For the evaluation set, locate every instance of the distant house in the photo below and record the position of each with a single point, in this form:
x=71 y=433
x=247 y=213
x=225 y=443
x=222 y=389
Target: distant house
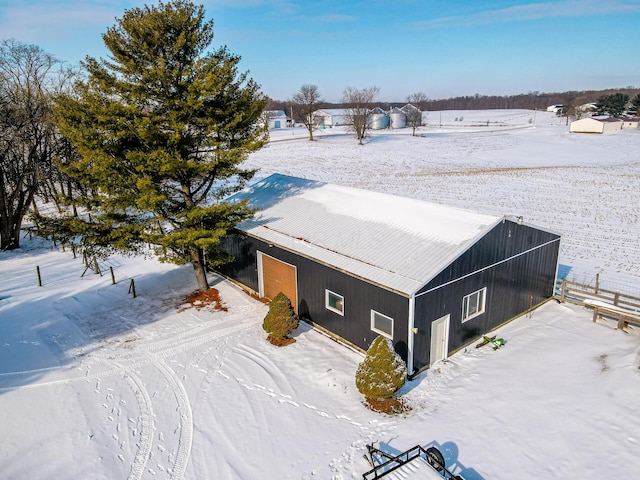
x=331 y=117
x=587 y=108
x=595 y=125
x=275 y=118
x=555 y=108
x=357 y=264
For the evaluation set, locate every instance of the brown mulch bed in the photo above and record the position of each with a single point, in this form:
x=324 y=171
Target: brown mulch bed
x=390 y=406
x=264 y=300
x=209 y=299
x=281 y=342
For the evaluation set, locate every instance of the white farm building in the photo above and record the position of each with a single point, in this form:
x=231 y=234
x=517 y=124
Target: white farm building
x=275 y=119
x=330 y=117
x=595 y=125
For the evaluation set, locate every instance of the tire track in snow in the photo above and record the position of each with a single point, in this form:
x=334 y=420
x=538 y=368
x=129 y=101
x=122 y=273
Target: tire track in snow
x=272 y=370
x=62 y=381
x=146 y=414
x=186 y=419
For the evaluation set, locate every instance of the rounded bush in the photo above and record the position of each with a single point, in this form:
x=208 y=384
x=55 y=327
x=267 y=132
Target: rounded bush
x=281 y=319
x=382 y=373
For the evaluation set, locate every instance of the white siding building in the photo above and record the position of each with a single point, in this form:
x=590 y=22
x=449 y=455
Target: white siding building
x=595 y=125
x=330 y=117
x=275 y=118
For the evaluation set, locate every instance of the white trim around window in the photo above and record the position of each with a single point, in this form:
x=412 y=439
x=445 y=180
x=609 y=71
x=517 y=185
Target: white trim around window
x=382 y=324
x=474 y=304
x=334 y=302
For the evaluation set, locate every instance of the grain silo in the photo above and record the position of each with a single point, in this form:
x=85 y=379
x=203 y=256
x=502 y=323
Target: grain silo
x=397 y=118
x=378 y=119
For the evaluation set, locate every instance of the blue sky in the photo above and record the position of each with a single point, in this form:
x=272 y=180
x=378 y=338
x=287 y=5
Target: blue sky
x=442 y=48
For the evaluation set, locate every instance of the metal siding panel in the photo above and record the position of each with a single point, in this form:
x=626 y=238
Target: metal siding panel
x=509 y=285
x=313 y=278
x=244 y=266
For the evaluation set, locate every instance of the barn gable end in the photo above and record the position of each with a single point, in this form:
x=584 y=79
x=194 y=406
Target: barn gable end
x=510 y=270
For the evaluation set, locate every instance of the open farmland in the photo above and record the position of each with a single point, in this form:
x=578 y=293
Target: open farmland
x=582 y=186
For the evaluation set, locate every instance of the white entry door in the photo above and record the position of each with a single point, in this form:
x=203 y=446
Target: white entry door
x=439 y=339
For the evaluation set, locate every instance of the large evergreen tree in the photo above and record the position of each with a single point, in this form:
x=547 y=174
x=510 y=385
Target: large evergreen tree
x=635 y=106
x=162 y=128
x=614 y=104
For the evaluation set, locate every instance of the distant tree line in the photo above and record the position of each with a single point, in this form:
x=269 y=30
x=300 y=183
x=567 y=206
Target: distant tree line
x=531 y=100
x=358 y=103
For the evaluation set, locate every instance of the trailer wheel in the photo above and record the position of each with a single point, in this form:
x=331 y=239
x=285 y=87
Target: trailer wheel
x=435 y=458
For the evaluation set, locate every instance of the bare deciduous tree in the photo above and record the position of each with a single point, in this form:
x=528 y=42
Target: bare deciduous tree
x=306 y=101
x=28 y=140
x=358 y=104
x=414 y=115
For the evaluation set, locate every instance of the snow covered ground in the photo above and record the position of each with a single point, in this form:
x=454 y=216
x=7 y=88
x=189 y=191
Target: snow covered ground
x=97 y=384
x=582 y=186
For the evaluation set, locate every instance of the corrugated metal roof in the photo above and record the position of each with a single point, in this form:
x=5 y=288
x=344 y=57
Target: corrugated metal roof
x=332 y=111
x=393 y=241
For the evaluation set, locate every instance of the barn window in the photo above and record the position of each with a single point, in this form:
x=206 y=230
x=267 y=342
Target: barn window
x=334 y=302
x=382 y=324
x=473 y=304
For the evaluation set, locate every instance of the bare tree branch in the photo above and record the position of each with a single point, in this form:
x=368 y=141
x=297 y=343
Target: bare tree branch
x=359 y=103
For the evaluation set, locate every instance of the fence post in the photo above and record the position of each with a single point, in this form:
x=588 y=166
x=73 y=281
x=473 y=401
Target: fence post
x=97 y=267
x=562 y=292
x=113 y=278
x=132 y=288
x=616 y=298
x=39 y=277
x=597 y=282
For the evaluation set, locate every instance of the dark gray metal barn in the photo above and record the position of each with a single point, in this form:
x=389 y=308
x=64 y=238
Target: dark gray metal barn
x=359 y=264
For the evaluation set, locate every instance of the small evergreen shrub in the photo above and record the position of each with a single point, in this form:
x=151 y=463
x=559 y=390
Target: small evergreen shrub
x=281 y=320
x=382 y=373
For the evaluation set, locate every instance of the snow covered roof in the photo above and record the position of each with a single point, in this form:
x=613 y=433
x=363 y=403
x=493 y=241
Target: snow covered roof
x=331 y=111
x=275 y=113
x=397 y=242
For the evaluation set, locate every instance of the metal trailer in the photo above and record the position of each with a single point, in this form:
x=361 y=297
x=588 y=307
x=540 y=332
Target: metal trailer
x=417 y=462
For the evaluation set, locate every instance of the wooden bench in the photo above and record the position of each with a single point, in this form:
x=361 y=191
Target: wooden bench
x=623 y=315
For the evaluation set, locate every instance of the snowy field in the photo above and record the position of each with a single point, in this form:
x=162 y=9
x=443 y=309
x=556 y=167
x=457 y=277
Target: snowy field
x=586 y=187
x=95 y=384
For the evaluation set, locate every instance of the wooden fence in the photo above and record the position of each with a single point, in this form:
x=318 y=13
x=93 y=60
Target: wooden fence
x=574 y=292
